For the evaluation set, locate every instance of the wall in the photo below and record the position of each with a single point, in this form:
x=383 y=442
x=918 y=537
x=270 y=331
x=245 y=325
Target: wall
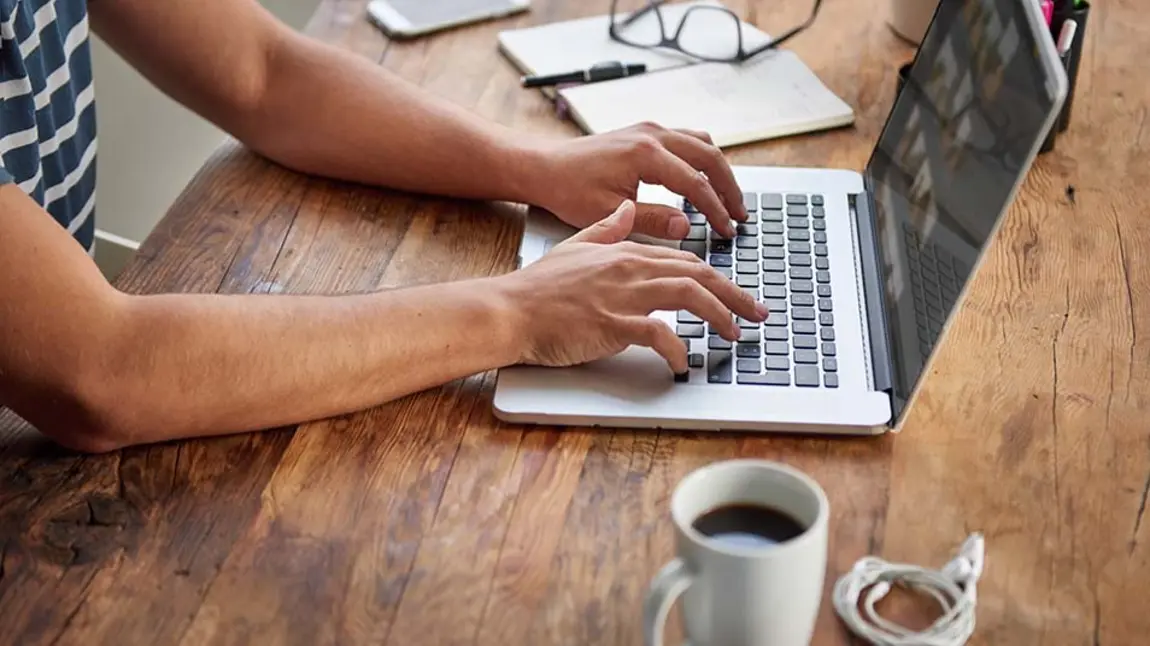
x=150 y=146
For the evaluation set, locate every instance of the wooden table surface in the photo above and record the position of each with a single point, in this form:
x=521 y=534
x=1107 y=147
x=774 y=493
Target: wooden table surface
x=428 y=521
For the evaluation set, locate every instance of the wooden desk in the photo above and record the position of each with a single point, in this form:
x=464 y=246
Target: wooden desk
x=427 y=521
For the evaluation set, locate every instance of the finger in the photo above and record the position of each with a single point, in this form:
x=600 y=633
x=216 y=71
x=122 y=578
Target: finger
x=697 y=134
x=709 y=159
x=661 y=221
x=730 y=294
x=678 y=176
x=658 y=336
x=671 y=294
x=611 y=229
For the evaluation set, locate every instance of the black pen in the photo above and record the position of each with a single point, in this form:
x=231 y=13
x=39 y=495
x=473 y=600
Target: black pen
x=600 y=72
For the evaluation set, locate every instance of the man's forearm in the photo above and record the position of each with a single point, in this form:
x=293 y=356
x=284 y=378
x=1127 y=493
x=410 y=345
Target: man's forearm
x=336 y=114
x=184 y=366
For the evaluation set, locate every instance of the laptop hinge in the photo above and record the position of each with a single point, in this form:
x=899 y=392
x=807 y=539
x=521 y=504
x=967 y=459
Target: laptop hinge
x=875 y=304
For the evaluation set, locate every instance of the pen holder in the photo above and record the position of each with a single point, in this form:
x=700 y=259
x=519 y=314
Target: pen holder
x=1070 y=62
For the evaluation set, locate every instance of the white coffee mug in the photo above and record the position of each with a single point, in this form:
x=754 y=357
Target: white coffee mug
x=740 y=595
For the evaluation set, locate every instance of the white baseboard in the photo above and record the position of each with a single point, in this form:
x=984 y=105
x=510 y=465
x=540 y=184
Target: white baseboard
x=113 y=252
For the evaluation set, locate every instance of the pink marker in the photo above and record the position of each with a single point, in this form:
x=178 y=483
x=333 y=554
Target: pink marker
x=1048 y=11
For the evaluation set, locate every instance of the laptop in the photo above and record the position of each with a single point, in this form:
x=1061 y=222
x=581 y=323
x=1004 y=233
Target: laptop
x=862 y=272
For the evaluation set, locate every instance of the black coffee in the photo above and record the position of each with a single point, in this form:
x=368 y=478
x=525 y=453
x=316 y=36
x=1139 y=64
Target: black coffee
x=748 y=526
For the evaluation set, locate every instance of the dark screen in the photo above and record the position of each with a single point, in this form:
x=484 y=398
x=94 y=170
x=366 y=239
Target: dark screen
x=961 y=133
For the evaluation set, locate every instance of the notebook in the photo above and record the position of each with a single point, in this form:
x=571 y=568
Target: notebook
x=774 y=95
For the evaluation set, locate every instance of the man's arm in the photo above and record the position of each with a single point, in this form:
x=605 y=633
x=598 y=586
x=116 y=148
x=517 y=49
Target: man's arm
x=320 y=110
x=97 y=369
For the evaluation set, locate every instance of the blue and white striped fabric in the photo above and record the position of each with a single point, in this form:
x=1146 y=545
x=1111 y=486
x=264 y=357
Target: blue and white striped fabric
x=47 y=109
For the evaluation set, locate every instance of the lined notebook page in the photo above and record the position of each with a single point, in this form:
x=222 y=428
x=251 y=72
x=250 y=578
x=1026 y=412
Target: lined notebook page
x=775 y=96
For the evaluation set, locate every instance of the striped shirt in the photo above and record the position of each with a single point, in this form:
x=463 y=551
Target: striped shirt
x=47 y=110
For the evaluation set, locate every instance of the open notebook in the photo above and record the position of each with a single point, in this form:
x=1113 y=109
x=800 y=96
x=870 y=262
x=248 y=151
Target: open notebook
x=774 y=95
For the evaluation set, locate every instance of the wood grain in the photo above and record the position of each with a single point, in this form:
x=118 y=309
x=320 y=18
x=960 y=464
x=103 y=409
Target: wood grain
x=428 y=521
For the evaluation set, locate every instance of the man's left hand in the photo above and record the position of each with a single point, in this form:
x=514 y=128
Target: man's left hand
x=584 y=180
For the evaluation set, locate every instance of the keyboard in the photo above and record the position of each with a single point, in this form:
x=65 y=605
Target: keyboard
x=935 y=277
x=779 y=257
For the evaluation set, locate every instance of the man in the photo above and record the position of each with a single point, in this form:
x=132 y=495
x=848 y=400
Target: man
x=96 y=369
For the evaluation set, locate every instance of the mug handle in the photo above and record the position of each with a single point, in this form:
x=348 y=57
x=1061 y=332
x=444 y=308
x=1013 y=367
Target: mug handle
x=668 y=584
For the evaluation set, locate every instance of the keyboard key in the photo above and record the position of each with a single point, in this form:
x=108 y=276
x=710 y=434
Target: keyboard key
x=820 y=250
x=688 y=207
x=800 y=211
x=697 y=233
x=799 y=247
x=797 y=223
x=776 y=347
x=771 y=200
x=747 y=268
x=753 y=292
x=690 y=330
x=697 y=248
x=831 y=380
x=798 y=234
x=776 y=362
x=747 y=350
x=776 y=334
x=826 y=305
x=830 y=364
x=743 y=255
x=822 y=263
x=804 y=327
x=826 y=318
x=749 y=336
x=747 y=324
x=774 y=253
x=686 y=344
x=774 y=278
x=802 y=286
x=827 y=334
x=720 y=260
x=776 y=304
x=820 y=236
x=746 y=242
x=747 y=230
x=818 y=212
x=683 y=378
x=803 y=314
x=719 y=367
x=817 y=200
x=806 y=356
x=823 y=276
x=795 y=198
x=771 y=216
x=806 y=342
x=696 y=218
x=776 y=319
x=747 y=365
x=803 y=300
x=718 y=343
x=807 y=376
x=772 y=228
x=695 y=360
x=721 y=246
x=687 y=317
x=766 y=379
x=820 y=224
x=774 y=265
x=800 y=260
x=800 y=273
x=750 y=201
x=772 y=241
x=753 y=217
x=747 y=280
x=726 y=271
x=774 y=291
x=716 y=235
x=828 y=349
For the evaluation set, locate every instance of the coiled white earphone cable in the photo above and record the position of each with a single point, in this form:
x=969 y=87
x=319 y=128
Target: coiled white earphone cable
x=953 y=587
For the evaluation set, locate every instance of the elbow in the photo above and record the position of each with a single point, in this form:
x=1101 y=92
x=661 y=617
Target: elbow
x=85 y=416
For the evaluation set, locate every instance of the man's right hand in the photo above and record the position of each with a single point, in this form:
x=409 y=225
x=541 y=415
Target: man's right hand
x=592 y=295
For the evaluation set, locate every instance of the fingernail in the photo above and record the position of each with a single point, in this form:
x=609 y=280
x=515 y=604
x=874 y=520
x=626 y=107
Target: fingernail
x=678 y=228
x=762 y=311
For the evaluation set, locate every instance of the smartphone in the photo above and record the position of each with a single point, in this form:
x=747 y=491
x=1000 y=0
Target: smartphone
x=409 y=18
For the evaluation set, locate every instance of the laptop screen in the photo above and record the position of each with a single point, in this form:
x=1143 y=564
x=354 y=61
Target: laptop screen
x=959 y=137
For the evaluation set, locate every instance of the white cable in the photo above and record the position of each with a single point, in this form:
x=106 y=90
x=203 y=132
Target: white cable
x=954 y=587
